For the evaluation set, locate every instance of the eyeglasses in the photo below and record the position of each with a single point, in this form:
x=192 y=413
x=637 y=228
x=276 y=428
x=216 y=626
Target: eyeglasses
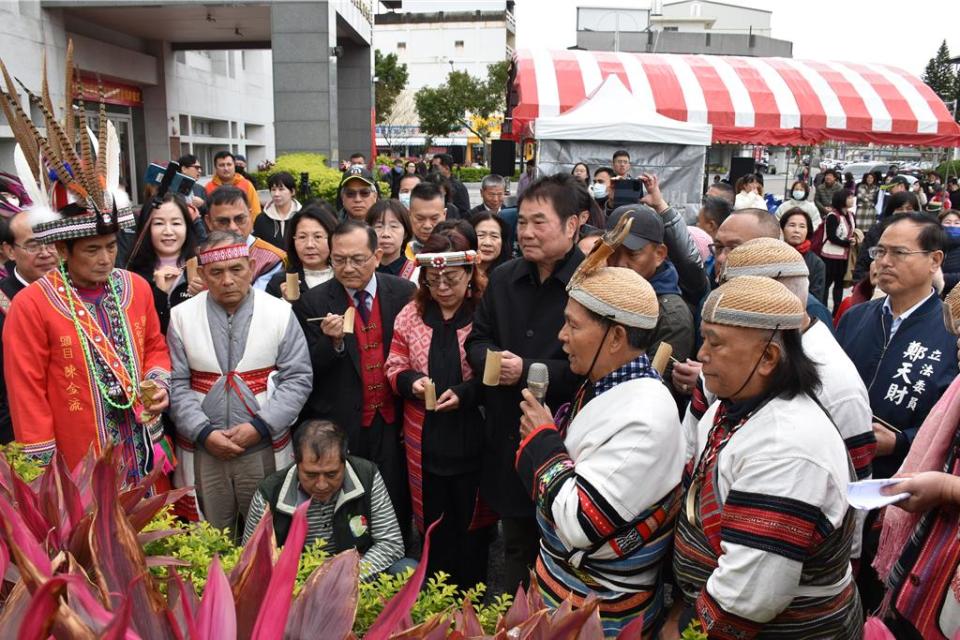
x=896 y=255
x=304 y=238
x=224 y=223
x=449 y=278
x=355 y=261
x=33 y=247
x=195 y=166
x=357 y=193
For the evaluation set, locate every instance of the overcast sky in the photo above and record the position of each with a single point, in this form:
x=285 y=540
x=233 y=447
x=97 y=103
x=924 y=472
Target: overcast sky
x=905 y=34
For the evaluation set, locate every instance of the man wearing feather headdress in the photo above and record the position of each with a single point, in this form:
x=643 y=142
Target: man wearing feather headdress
x=85 y=362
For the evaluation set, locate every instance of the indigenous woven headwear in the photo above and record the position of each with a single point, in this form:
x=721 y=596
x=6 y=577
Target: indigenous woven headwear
x=764 y=257
x=223 y=252
x=621 y=295
x=447 y=259
x=951 y=311
x=755 y=302
x=71 y=177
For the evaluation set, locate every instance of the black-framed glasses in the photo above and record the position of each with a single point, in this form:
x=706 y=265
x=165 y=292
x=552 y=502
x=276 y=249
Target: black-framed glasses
x=354 y=261
x=449 y=278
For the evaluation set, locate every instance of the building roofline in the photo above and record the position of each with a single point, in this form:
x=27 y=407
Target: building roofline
x=439 y=16
x=725 y=4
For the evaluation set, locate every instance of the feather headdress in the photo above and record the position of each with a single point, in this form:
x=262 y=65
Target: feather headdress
x=75 y=194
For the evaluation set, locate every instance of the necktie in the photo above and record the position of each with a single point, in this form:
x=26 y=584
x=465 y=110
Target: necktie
x=361 y=298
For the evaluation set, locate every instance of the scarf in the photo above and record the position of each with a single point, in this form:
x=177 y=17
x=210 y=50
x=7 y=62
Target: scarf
x=928 y=453
x=803 y=247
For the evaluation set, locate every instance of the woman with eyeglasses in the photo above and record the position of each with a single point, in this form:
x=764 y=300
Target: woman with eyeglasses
x=166 y=240
x=443 y=444
x=391 y=220
x=840 y=236
x=308 y=249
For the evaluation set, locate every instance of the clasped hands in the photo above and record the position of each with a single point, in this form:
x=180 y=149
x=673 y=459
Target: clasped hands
x=227 y=444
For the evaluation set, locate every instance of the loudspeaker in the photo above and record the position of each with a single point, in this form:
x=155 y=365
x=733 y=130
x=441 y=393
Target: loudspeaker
x=459 y=154
x=503 y=157
x=740 y=167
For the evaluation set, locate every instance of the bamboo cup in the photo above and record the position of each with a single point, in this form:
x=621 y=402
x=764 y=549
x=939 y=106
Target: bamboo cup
x=430 y=395
x=191 y=269
x=491 y=370
x=293 y=287
x=348 y=317
x=662 y=357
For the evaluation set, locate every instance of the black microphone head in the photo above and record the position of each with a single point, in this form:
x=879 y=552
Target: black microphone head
x=538 y=374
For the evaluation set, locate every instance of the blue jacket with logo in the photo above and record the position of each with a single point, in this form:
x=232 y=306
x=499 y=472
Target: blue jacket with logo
x=905 y=375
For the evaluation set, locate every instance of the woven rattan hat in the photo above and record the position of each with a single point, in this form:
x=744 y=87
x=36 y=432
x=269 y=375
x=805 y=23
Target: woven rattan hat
x=622 y=295
x=951 y=311
x=756 y=302
x=764 y=257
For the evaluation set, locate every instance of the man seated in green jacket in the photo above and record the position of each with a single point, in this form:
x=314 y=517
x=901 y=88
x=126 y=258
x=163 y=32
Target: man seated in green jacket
x=349 y=505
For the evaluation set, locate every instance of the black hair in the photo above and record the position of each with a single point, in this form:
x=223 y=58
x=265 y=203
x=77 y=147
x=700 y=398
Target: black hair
x=463 y=227
x=427 y=190
x=637 y=338
x=606 y=170
x=932 y=237
x=358 y=155
x=226 y=194
x=839 y=200
x=348 y=226
x=898 y=200
x=321 y=436
x=282 y=178
x=716 y=209
x=6 y=234
x=727 y=189
x=795 y=373
x=445 y=159
x=505 y=249
x=187 y=160
x=587 y=202
x=836 y=176
x=620 y=153
x=408 y=176
x=323 y=214
x=560 y=190
x=797 y=211
x=223 y=154
x=144 y=258
x=585 y=166
x=381 y=208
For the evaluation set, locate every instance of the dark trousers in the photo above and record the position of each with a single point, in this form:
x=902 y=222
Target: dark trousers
x=380 y=443
x=521 y=544
x=454 y=549
x=834 y=272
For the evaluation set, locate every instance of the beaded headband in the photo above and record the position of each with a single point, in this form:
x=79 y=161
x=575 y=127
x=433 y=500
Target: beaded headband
x=223 y=252
x=447 y=259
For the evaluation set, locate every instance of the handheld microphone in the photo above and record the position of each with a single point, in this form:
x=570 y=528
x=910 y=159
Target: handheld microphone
x=538 y=378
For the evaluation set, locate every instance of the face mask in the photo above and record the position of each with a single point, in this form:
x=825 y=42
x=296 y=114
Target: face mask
x=953 y=232
x=398 y=169
x=598 y=189
x=404 y=199
x=799 y=195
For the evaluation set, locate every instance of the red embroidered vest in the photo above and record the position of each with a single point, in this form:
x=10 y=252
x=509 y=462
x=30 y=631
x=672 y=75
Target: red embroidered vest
x=377 y=396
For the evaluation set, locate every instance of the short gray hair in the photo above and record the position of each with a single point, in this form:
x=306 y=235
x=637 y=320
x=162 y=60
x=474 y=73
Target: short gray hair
x=218 y=238
x=320 y=437
x=492 y=180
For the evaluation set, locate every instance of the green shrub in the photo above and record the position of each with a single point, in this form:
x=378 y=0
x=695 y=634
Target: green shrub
x=24 y=466
x=324 y=180
x=693 y=632
x=949 y=168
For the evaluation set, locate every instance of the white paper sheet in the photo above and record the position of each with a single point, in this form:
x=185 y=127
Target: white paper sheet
x=866 y=494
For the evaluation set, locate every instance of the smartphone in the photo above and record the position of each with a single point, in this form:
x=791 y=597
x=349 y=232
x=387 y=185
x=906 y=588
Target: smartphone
x=626 y=192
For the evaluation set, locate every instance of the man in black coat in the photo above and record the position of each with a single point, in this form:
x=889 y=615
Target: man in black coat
x=32 y=260
x=350 y=388
x=459 y=196
x=520 y=316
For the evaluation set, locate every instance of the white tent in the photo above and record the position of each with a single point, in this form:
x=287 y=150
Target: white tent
x=612 y=118
x=612 y=113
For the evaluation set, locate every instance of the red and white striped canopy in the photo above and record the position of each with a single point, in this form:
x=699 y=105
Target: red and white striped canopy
x=778 y=101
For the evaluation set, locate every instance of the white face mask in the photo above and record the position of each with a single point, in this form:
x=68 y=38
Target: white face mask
x=598 y=189
x=404 y=199
x=799 y=195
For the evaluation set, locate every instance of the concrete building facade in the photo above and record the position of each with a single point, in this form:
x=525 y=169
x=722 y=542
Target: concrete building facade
x=259 y=78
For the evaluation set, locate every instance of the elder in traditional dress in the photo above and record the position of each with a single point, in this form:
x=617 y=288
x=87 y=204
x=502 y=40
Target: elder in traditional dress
x=241 y=374
x=763 y=543
x=605 y=476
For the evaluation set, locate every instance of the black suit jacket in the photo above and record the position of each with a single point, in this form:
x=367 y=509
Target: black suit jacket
x=10 y=286
x=337 y=389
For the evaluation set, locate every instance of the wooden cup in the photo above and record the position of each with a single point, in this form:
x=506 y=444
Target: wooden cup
x=491 y=370
x=293 y=287
x=430 y=395
x=348 y=318
x=148 y=392
x=191 y=269
x=662 y=357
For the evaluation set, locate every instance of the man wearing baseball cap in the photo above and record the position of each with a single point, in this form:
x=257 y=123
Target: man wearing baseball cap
x=644 y=252
x=358 y=191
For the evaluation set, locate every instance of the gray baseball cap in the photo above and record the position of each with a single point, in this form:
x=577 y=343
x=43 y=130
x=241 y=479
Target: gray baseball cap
x=647 y=226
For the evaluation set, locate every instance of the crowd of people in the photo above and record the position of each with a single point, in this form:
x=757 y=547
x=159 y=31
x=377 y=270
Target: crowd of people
x=713 y=388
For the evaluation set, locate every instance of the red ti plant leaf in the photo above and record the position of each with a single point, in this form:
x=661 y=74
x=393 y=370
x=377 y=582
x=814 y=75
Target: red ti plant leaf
x=59 y=499
x=118 y=627
x=118 y=559
x=400 y=605
x=82 y=477
x=141 y=513
x=435 y=628
x=272 y=618
x=182 y=603
x=534 y=599
x=518 y=612
x=250 y=577
x=14 y=607
x=29 y=510
x=6 y=478
x=467 y=622
x=568 y=625
x=634 y=629
x=217 y=615
x=42 y=612
x=4 y=559
x=31 y=559
x=328 y=600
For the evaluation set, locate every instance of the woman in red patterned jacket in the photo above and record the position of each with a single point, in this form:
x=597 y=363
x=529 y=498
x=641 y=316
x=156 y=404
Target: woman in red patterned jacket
x=444 y=444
